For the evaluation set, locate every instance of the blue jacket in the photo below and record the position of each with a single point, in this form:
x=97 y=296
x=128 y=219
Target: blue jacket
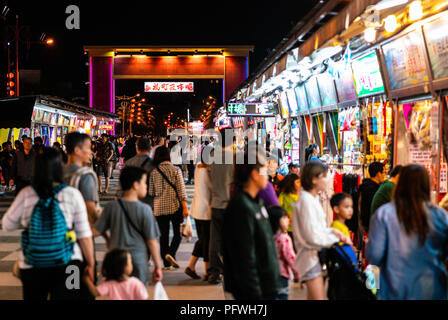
x=408 y=270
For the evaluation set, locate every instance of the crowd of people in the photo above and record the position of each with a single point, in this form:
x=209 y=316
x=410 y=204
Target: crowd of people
x=258 y=227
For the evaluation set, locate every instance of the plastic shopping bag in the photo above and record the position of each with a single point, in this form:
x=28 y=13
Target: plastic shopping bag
x=187 y=230
x=159 y=292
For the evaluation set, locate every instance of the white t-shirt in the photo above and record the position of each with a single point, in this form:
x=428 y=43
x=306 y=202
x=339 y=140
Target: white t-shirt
x=72 y=205
x=201 y=205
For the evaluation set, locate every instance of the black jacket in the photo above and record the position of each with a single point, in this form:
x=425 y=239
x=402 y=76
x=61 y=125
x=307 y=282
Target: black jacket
x=367 y=191
x=251 y=268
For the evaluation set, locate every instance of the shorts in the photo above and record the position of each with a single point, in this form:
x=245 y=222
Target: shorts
x=104 y=169
x=312 y=273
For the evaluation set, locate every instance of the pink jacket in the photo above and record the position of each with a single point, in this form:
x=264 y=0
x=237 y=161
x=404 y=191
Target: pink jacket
x=286 y=254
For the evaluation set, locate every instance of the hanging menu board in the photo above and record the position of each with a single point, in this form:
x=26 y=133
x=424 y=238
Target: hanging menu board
x=326 y=89
x=301 y=98
x=345 y=86
x=405 y=61
x=367 y=75
x=437 y=43
x=312 y=92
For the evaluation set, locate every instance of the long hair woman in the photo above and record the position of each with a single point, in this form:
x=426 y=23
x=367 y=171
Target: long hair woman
x=166 y=185
x=40 y=282
x=310 y=229
x=312 y=153
x=408 y=238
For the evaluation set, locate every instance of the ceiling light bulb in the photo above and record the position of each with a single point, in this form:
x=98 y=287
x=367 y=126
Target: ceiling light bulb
x=390 y=24
x=415 y=11
x=370 y=34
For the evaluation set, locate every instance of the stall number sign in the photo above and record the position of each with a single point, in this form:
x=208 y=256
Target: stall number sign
x=366 y=72
x=169 y=87
x=250 y=109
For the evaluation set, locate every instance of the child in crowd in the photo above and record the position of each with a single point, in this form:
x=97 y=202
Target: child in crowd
x=279 y=222
x=117 y=283
x=342 y=205
x=289 y=194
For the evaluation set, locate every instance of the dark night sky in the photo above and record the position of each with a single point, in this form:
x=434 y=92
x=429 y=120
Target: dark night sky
x=259 y=23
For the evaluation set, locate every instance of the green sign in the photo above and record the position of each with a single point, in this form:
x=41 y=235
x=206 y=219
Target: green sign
x=367 y=75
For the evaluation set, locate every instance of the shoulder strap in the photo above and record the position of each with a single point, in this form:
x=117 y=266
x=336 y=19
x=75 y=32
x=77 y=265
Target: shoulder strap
x=74 y=180
x=130 y=221
x=145 y=162
x=169 y=182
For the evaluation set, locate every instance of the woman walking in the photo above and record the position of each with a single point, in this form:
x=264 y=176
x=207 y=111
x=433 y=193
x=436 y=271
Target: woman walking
x=408 y=238
x=202 y=213
x=167 y=187
x=54 y=216
x=310 y=229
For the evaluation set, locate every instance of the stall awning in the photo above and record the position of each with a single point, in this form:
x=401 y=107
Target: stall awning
x=16 y=112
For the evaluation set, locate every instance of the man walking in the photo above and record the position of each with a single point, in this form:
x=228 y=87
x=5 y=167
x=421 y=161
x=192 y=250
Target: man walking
x=23 y=166
x=221 y=176
x=80 y=176
x=103 y=157
x=142 y=160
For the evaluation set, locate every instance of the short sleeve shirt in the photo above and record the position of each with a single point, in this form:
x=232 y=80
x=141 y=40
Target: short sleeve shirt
x=124 y=236
x=130 y=289
x=87 y=183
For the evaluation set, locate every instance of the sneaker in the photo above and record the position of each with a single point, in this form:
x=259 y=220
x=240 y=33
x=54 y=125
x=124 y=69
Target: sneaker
x=167 y=268
x=192 y=273
x=172 y=261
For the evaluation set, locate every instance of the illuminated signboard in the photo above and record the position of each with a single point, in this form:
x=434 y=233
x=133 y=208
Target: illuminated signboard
x=437 y=42
x=106 y=127
x=251 y=109
x=366 y=72
x=169 y=86
x=405 y=61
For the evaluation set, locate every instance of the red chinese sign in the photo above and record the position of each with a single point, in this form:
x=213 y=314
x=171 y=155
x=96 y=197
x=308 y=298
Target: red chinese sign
x=106 y=127
x=169 y=87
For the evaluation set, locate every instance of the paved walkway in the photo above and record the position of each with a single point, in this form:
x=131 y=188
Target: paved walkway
x=177 y=284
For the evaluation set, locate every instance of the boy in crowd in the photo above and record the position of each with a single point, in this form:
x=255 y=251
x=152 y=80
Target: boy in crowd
x=342 y=206
x=132 y=225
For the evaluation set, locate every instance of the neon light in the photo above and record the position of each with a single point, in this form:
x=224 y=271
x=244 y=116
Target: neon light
x=90 y=82
x=112 y=89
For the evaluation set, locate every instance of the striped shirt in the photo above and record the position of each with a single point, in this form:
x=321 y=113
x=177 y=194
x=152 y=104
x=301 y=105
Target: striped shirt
x=165 y=198
x=72 y=205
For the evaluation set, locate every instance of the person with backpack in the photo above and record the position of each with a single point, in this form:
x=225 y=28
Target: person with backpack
x=80 y=176
x=57 y=234
x=132 y=225
x=167 y=187
x=310 y=230
x=142 y=160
